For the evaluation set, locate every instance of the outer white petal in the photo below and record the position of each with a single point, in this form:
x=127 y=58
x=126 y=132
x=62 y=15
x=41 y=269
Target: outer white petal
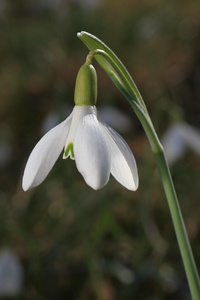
x=173 y=143
x=177 y=138
x=191 y=136
x=45 y=154
x=123 y=165
x=91 y=152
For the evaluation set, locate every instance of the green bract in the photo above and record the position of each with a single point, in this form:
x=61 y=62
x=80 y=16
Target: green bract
x=124 y=82
x=86 y=86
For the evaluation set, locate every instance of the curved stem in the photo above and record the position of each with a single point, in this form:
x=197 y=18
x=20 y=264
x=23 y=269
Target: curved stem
x=120 y=76
x=179 y=226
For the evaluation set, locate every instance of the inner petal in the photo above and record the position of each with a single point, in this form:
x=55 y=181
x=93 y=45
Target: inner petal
x=77 y=115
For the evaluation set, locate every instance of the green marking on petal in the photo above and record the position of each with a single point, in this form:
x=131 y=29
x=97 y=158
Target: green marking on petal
x=69 y=151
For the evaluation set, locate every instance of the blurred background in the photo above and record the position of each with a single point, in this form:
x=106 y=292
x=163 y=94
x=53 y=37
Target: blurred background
x=62 y=240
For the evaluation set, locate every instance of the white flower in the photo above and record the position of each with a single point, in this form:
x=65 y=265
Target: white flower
x=178 y=138
x=11 y=274
x=97 y=149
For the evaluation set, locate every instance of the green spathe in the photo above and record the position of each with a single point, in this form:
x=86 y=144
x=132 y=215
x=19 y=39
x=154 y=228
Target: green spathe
x=69 y=151
x=86 y=86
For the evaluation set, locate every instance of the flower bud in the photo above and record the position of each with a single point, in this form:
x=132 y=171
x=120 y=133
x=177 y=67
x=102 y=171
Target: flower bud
x=86 y=86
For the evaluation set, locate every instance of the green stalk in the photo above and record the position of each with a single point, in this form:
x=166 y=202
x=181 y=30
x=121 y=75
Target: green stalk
x=122 y=79
x=179 y=226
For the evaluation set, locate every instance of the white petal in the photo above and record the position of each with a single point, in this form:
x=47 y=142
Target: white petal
x=177 y=138
x=79 y=112
x=173 y=143
x=91 y=153
x=191 y=136
x=45 y=154
x=123 y=165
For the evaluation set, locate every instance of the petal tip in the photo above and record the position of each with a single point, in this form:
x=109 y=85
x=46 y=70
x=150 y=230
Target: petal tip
x=25 y=189
x=131 y=186
x=96 y=187
x=25 y=186
x=95 y=183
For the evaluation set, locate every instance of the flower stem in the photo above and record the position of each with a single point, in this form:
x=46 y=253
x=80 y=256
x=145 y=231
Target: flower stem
x=91 y=55
x=179 y=226
x=120 y=76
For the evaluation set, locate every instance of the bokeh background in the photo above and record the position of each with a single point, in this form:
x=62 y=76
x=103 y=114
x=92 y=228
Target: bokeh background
x=62 y=240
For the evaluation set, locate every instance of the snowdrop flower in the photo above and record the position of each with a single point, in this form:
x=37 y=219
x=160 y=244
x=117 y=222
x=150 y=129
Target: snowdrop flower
x=11 y=274
x=97 y=149
x=178 y=138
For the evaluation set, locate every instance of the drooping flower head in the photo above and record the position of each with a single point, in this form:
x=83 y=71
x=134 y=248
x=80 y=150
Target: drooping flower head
x=97 y=149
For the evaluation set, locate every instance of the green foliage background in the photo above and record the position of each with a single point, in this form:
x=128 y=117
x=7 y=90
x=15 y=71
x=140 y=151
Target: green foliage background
x=73 y=242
